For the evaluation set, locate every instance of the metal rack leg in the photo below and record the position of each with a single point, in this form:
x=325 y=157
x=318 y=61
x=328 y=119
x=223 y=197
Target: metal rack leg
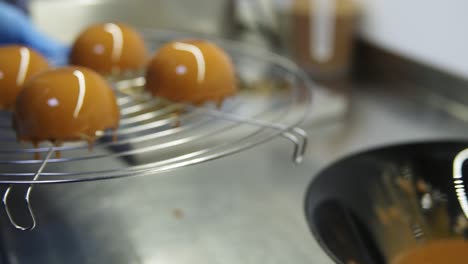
x=295 y=134
x=26 y=198
x=299 y=137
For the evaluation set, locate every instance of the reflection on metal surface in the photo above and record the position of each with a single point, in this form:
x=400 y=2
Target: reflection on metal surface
x=458 y=180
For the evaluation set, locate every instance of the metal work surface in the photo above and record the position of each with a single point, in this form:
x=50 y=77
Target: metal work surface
x=246 y=208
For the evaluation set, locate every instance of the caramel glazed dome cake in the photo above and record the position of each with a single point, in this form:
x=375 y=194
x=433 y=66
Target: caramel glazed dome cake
x=111 y=49
x=17 y=65
x=65 y=104
x=191 y=71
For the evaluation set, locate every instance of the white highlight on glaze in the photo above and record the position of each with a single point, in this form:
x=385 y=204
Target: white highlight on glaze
x=82 y=86
x=24 y=65
x=458 y=161
x=198 y=54
x=98 y=49
x=181 y=69
x=117 y=37
x=1 y=75
x=53 y=102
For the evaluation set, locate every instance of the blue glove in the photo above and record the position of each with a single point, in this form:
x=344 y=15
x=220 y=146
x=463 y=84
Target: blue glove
x=17 y=28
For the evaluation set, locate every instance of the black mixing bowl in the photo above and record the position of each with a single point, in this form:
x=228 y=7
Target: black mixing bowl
x=372 y=206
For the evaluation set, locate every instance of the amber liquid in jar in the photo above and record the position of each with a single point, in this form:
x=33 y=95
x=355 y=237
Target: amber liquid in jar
x=322 y=36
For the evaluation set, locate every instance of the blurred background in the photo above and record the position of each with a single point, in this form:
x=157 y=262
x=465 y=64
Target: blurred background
x=334 y=41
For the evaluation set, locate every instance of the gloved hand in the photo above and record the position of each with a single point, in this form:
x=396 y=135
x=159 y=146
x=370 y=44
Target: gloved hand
x=17 y=28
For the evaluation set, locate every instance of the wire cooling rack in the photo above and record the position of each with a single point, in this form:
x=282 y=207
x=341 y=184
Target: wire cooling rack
x=156 y=136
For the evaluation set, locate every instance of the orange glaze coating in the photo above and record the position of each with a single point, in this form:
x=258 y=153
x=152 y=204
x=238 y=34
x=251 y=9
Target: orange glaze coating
x=17 y=65
x=191 y=71
x=66 y=104
x=109 y=48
